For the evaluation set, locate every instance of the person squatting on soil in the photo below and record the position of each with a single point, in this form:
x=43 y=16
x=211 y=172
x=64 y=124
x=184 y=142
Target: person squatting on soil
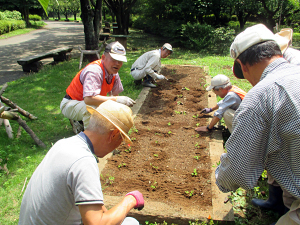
x=275 y=200
x=266 y=125
x=65 y=188
x=232 y=98
x=89 y=87
x=147 y=66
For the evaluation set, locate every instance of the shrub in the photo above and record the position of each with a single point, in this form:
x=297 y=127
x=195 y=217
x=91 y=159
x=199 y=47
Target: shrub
x=196 y=36
x=35 y=17
x=222 y=39
x=3 y=16
x=13 y=15
x=235 y=25
x=9 y=25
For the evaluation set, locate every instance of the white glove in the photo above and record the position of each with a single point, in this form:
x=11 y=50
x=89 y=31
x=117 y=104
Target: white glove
x=125 y=100
x=160 y=77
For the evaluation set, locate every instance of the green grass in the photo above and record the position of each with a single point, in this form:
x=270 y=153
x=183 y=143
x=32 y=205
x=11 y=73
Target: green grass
x=41 y=94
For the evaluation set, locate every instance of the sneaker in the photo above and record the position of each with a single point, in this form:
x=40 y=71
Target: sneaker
x=148 y=84
x=77 y=126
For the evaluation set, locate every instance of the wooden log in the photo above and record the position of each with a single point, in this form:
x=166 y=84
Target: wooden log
x=15 y=106
x=8 y=129
x=3 y=88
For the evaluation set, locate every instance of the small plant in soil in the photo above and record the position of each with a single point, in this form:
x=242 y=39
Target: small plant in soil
x=154 y=167
x=179 y=103
x=185 y=88
x=195 y=116
x=156 y=142
x=129 y=149
x=184 y=112
x=121 y=165
x=154 y=185
x=197 y=145
x=169 y=124
x=169 y=132
x=177 y=112
x=194 y=174
x=111 y=180
x=197 y=157
x=189 y=194
x=197 y=124
x=157 y=134
x=197 y=135
x=133 y=129
x=179 y=96
x=155 y=155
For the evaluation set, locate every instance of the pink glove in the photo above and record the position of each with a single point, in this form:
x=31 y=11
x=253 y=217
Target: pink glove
x=206 y=110
x=139 y=199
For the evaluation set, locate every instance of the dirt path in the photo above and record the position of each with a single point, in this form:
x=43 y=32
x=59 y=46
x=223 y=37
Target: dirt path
x=53 y=35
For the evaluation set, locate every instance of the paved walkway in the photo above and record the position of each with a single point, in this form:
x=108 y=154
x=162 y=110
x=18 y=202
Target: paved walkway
x=54 y=35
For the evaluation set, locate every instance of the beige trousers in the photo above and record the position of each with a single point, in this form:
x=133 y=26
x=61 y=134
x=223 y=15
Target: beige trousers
x=228 y=117
x=75 y=110
x=292 y=217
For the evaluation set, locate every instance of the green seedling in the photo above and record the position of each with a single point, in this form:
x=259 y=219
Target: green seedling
x=194 y=174
x=170 y=132
x=197 y=124
x=179 y=103
x=195 y=116
x=128 y=150
x=185 y=88
x=154 y=167
x=121 y=165
x=180 y=96
x=184 y=112
x=133 y=129
x=197 y=157
x=111 y=179
x=197 y=135
x=177 y=112
x=157 y=134
x=133 y=139
x=155 y=155
x=189 y=193
x=154 y=185
x=169 y=124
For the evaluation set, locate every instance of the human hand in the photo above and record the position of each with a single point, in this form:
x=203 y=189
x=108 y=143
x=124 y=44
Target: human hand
x=139 y=199
x=206 y=110
x=125 y=100
x=160 y=77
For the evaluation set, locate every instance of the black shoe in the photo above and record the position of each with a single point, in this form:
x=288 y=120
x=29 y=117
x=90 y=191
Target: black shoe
x=137 y=82
x=274 y=202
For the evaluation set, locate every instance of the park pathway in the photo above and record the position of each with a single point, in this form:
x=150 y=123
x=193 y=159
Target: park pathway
x=54 y=35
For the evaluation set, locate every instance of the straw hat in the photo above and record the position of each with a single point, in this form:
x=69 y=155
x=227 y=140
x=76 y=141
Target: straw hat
x=118 y=114
x=284 y=38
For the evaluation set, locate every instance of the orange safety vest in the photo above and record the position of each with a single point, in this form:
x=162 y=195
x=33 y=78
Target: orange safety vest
x=75 y=89
x=241 y=93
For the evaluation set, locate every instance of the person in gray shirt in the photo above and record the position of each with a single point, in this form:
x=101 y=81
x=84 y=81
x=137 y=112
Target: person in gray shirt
x=65 y=188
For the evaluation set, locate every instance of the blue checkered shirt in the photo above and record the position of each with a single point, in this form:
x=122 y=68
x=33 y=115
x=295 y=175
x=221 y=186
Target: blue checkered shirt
x=266 y=133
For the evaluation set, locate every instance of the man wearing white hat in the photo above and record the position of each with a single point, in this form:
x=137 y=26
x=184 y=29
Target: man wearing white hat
x=65 y=188
x=266 y=125
x=147 y=66
x=98 y=82
x=232 y=98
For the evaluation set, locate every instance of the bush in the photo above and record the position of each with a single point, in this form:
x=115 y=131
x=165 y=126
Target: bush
x=222 y=39
x=13 y=15
x=35 y=17
x=196 y=36
x=3 y=16
x=9 y=25
x=235 y=25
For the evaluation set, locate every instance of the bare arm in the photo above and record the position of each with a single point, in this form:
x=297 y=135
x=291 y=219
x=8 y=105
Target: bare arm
x=215 y=107
x=97 y=100
x=213 y=122
x=97 y=214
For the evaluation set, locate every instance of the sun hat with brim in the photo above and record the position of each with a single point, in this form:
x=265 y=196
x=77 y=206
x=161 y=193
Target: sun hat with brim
x=249 y=37
x=218 y=81
x=118 y=114
x=116 y=51
x=284 y=38
x=168 y=46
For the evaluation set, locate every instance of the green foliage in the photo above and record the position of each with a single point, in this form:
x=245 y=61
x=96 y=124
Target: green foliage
x=35 y=17
x=10 y=15
x=235 y=25
x=222 y=39
x=9 y=25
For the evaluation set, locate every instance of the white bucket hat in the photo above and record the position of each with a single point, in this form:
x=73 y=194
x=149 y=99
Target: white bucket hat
x=118 y=114
x=116 y=51
x=218 y=80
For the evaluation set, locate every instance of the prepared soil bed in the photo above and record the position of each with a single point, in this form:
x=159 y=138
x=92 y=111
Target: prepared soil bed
x=169 y=161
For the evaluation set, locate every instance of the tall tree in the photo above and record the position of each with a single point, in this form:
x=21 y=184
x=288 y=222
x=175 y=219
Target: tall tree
x=122 y=10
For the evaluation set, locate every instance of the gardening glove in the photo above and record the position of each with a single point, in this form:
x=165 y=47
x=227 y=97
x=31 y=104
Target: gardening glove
x=206 y=110
x=139 y=199
x=160 y=77
x=125 y=100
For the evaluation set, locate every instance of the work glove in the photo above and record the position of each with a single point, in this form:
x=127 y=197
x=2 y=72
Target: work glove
x=139 y=199
x=206 y=110
x=160 y=77
x=125 y=100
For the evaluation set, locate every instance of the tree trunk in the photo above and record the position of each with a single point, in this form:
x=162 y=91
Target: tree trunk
x=91 y=20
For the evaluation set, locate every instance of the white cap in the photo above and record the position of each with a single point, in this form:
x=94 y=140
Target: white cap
x=249 y=37
x=168 y=46
x=218 y=80
x=116 y=51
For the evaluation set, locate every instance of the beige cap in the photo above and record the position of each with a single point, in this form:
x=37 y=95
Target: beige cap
x=118 y=114
x=218 y=80
x=284 y=38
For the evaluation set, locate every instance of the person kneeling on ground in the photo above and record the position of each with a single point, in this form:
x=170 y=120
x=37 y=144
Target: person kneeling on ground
x=65 y=188
x=232 y=98
x=98 y=82
x=147 y=66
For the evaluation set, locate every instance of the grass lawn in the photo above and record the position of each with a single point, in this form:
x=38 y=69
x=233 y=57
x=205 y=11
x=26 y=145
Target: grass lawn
x=41 y=94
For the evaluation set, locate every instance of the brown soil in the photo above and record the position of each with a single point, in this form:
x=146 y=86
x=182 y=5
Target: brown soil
x=166 y=151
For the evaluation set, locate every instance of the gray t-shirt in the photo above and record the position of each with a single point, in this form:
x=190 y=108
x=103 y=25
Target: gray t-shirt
x=67 y=177
x=230 y=101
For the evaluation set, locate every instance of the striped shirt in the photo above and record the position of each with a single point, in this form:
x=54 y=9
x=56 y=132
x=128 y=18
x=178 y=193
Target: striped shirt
x=266 y=133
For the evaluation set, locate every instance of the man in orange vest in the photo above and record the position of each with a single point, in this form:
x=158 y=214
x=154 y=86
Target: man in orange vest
x=98 y=82
x=232 y=98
